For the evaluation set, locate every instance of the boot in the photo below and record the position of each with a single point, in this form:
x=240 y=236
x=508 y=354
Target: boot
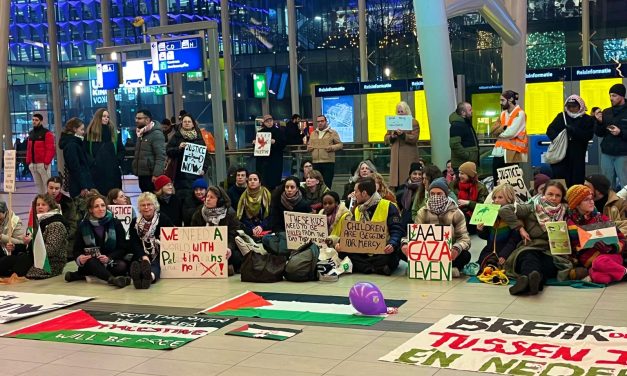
x=535 y=282
x=521 y=286
x=73 y=276
x=119 y=281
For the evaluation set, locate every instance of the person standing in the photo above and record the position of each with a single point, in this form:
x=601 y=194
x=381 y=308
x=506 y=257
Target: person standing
x=404 y=150
x=105 y=151
x=511 y=134
x=613 y=129
x=188 y=133
x=293 y=133
x=271 y=167
x=579 y=128
x=149 y=159
x=40 y=152
x=463 y=138
x=324 y=156
x=76 y=175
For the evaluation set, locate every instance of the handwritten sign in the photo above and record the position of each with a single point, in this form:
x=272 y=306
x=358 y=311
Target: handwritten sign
x=193 y=159
x=363 y=237
x=429 y=252
x=514 y=176
x=263 y=142
x=124 y=213
x=319 y=143
x=559 y=242
x=402 y=122
x=485 y=214
x=301 y=228
x=193 y=252
x=9 y=170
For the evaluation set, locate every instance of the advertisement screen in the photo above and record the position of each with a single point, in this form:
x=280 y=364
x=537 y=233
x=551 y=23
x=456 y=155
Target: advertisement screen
x=340 y=114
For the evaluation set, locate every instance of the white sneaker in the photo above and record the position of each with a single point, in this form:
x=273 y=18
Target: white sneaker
x=456 y=273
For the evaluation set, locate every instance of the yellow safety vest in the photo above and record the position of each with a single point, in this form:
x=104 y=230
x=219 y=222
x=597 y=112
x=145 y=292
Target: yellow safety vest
x=380 y=214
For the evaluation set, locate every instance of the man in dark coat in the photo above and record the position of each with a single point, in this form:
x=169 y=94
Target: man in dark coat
x=463 y=138
x=271 y=167
x=614 y=133
x=149 y=159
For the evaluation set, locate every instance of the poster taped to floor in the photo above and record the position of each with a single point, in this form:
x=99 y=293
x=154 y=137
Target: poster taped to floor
x=19 y=305
x=264 y=332
x=516 y=347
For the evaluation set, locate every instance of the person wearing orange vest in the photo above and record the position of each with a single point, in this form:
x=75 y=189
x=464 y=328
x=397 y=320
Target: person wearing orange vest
x=510 y=131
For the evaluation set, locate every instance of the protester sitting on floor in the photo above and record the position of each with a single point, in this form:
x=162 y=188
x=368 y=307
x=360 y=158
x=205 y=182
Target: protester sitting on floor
x=336 y=213
x=288 y=197
x=145 y=233
x=253 y=209
x=236 y=190
x=314 y=189
x=191 y=202
x=604 y=262
x=13 y=231
x=100 y=245
x=469 y=192
x=363 y=169
x=442 y=210
x=116 y=196
x=429 y=174
x=67 y=208
x=532 y=263
x=169 y=202
x=406 y=193
x=606 y=200
x=382 y=188
x=539 y=182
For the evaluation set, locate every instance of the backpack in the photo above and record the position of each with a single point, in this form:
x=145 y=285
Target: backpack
x=276 y=244
x=266 y=268
x=302 y=264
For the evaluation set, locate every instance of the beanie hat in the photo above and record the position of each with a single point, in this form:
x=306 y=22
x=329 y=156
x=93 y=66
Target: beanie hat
x=600 y=183
x=3 y=207
x=439 y=183
x=200 y=183
x=538 y=180
x=415 y=167
x=576 y=194
x=161 y=181
x=469 y=168
x=618 y=89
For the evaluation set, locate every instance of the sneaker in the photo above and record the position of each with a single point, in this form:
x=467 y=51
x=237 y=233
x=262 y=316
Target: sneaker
x=456 y=273
x=145 y=274
x=136 y=274
x=119 y=281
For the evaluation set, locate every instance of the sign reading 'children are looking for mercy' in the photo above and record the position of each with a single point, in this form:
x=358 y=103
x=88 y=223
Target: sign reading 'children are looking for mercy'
x=194 y=252
x=429 y=252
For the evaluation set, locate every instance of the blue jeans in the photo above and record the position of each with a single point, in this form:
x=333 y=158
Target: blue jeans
x=614 y=167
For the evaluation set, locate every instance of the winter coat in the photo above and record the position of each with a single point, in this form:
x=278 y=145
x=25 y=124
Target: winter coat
x=271 y=167
x=343 y=214
x=613 y=145
x=77 y=175
x=189 y=206
x=481 y=196
x=40 y=146
x=293 y=134
x=105 y=159
x=150 y=153
x=230 y=221
x=502 y=241
x=184 y=180
x=330 y=137
x=403 y=153
x=15 y=237
x=235 y=193
x=173 y=209
x=463 y=141
x=452 y=216
x=136 y=242
x=586 y=256
x=70 y=215
x=116 y=253
x=277 y=220
x=580 y=130
x=55 y=238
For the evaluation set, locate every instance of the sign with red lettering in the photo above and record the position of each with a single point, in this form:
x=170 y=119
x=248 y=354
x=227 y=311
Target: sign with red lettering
x=516 y=347
x=194 y=252
x=429 y=252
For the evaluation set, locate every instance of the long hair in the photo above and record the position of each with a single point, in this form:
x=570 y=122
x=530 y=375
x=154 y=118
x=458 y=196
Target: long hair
x=94 y=130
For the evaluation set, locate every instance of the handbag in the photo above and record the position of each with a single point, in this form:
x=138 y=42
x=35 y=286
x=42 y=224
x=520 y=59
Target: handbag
x=265 y=268
x=557 y=149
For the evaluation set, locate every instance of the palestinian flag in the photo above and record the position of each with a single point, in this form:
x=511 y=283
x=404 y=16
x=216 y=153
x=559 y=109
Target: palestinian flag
x=264 y=332
x=589 y=235
x=296 y=307
x=40 y=255
x=122 y=329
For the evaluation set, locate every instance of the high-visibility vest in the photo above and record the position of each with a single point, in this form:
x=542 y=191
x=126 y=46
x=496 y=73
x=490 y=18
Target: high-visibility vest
x=380 y=214
x=518 y=143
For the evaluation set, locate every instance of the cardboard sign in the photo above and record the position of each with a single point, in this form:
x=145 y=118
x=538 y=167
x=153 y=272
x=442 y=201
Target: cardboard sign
x=319 y=143
x=363 y=237
x=9 y=170
x=193 y=159
x=514 y=176
x=485 y=214
x=559 y=241
x=301 y=228
x=402 y=122
x=429 y=252
x=263 y=142
x=193 y=252
x=124 y=213
x=589 y=235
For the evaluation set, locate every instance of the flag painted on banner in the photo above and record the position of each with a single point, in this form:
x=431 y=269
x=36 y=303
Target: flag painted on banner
x=264 y=332
x=19 y=305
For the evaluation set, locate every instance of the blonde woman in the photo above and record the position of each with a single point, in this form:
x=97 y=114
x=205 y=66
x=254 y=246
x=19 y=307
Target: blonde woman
x=105 y=152
x=404 y=150
x=383 y=188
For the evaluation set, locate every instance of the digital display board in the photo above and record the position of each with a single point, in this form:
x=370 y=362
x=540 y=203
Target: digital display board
x=339 y=111
x=178 y=55
x=543 y=101
x=107 y=76
x=486 y=109
x=596 y=92
x=421 y=115
x=140 y=73
x=378 y=106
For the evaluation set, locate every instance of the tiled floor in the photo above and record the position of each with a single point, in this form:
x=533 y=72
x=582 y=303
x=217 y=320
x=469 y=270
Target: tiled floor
x=318 y=350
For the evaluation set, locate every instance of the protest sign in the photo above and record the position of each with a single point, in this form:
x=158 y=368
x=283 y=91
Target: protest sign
x=9 y=171
x=485 y=214
x=402 y=122
x=429 y=252
x=124 y=213
x=516 y=347
x=193 y=252
x=194 y=159
x=319 y=143
x=559 y=242
x=18 y=305
x=263 y=142
x=605 y=232
x=301 y=228
x=514 y=176
x=363 y=237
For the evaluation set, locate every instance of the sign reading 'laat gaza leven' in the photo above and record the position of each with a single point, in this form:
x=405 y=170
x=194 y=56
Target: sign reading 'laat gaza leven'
x=429 y=252
x=193 y=252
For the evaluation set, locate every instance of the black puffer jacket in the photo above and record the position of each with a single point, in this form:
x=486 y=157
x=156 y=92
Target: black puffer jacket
x=613 y=145
x=76 y=172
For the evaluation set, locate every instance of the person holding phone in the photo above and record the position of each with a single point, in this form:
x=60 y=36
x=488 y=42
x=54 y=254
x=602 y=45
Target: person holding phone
x=613 y=129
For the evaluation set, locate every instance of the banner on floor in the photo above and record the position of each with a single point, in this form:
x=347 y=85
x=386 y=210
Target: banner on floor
x=264 y=332
x=194 y=159
x=429 y=252
x=194 y=252
x=516 y=347
x=123 y=329
x=300 y=228
x=19 y=305
x=513 y=175
x=363 y=237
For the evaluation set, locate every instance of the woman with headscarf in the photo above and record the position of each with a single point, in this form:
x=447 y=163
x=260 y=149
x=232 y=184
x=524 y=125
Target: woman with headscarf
x=189 y=133
x=105 y=152
x=253 y=209
x=580 y=130
x=314 y=189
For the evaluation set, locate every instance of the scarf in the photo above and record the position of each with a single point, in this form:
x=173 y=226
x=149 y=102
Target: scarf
x=213 y=216
x=410 y=190
x=87 y=231
x=290 y=202
x=79 y=137
x=315 y=197
x=140 y=131
x=146 y=232
x=189 y=135
x=582 y=107
x=331 y=218
x=547 y=212
x=468 y=191
x=252 y=202
x=370 y=203
x=45 y=219
x=438 y=204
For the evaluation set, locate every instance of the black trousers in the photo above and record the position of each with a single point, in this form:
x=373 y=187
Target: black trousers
x=363 y=263
x=145 y=184
x=462 y=260
x=327 y=170
x=16 y=263
x=498 y=162
x=535 y=260
x=102 y=271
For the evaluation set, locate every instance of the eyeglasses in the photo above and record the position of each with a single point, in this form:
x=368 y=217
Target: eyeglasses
x=139 y=117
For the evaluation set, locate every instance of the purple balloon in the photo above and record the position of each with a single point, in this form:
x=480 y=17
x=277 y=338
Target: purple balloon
x=367 y=299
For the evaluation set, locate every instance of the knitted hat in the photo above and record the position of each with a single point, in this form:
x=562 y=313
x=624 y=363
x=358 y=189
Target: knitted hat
x=161 y=181
x=538 y=180
x=576 y=194
x=3 y=207
x=618 y=89
x=200 y=183
x=600 y=183
x=469 y=168
x=415 y=167
x=439 y=183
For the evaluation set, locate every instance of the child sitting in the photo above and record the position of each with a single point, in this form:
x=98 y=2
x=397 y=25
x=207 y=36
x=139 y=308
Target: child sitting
x=469 y=191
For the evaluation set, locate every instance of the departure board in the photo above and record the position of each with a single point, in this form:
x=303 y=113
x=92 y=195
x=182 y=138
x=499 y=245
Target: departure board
x=596 y=92
x=543 y=100
x=420 y=113
x=378 y=106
